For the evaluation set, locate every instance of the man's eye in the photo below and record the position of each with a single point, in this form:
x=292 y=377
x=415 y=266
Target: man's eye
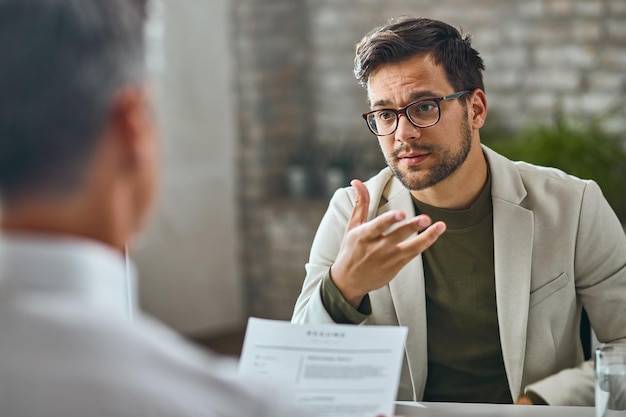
x=425 y=106
x=385 y=115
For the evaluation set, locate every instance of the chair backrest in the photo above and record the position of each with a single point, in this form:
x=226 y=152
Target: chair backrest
x=585 y=334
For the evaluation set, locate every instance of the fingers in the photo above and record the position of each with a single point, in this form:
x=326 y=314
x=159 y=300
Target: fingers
x=387 y=224
x=382 y=225
x=384 y=222
x=399 y=232
x=424 y=240
x=361 y=205
x=403 y=230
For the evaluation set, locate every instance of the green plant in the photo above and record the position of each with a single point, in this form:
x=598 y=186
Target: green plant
x=585 y=150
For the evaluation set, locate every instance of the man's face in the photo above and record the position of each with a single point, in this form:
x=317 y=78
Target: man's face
x=420 y=157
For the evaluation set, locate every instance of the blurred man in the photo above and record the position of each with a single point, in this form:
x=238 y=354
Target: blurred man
x=508 y=255
x=78 y=163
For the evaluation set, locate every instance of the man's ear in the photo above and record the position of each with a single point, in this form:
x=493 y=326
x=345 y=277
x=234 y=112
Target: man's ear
x=478 y=108
x=132 y=122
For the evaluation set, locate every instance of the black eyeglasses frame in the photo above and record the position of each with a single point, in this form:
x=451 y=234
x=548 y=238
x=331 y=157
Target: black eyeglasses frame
x=403 y=111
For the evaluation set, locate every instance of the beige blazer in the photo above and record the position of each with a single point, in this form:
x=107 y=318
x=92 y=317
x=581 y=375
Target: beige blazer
x=558 y=246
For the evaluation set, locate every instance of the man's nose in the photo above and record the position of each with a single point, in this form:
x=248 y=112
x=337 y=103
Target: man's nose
x=406 y=130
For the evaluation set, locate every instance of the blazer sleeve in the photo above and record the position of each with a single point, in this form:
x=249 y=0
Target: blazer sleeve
x=600 y=279
x=309 y=307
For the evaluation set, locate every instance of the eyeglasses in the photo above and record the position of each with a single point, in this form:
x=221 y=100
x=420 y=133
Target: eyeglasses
x=421 y=113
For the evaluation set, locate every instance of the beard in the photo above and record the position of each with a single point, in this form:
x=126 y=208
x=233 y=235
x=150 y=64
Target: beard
x=449 y=161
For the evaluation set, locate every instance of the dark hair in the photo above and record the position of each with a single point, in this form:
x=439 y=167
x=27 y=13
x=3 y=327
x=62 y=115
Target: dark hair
x=62 y=63
x=405 y=37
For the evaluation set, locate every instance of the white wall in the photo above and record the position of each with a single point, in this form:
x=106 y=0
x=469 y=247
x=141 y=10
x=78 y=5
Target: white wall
x=187 y=259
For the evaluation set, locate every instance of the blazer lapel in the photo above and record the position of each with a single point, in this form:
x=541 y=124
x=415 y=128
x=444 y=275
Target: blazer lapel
x=407 y=291
x=513 y=240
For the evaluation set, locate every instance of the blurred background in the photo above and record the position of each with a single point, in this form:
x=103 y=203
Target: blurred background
x=261 y=122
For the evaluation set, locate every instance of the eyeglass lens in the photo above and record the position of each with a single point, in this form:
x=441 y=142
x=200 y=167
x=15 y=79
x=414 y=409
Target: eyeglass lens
x=421 y=113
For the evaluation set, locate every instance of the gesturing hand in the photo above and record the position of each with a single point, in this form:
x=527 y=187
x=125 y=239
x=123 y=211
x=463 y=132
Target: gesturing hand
x=370 y=254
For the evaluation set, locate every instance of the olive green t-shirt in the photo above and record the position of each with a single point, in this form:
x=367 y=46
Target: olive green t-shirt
x=464 y=353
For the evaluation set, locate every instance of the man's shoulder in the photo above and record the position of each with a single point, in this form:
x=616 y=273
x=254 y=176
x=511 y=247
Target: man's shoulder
x=210 y=381
x=151 y=366
x=534 y=175
x=526 y=178
x=527 y=169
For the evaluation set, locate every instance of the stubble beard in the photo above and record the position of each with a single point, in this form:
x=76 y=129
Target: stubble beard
x=448 y=162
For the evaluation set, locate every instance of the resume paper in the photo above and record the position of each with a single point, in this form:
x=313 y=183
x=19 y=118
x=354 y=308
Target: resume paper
x=332 y=370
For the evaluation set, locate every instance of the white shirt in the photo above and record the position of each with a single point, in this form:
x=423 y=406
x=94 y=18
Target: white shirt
x=67 y=348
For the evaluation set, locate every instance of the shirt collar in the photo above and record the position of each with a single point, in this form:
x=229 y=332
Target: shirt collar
x=460 y=219
x=81 y=270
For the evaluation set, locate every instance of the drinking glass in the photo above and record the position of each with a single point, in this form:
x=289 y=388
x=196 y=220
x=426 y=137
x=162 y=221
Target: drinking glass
x=610 y=381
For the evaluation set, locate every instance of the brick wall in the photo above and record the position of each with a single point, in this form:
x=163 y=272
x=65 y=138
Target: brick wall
x=298 y=102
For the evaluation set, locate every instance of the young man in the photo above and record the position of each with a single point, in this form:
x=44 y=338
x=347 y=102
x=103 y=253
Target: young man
x=493 y=286
x=78 y=163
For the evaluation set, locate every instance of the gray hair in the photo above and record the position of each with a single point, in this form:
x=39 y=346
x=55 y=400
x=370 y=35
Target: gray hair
x=62 y=61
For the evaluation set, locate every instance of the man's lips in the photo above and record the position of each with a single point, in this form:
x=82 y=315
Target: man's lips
x=413 y=158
